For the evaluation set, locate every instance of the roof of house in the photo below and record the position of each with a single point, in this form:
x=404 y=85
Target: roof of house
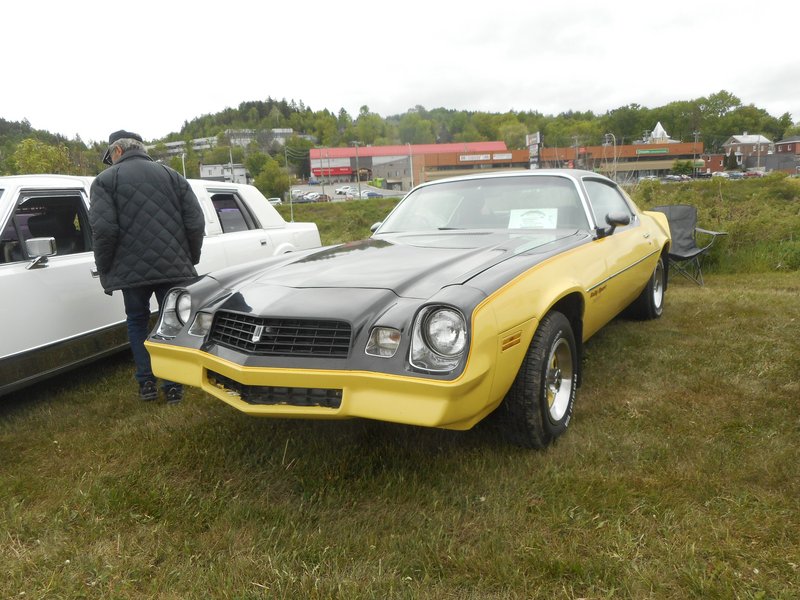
x=747 y=139
x=405 y=149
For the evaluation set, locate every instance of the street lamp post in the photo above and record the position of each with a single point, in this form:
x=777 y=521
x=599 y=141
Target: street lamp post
x=358 y=171
x=183 y=163
x=696 y=135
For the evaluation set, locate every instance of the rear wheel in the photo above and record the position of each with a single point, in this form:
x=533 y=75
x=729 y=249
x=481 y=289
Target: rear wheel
x=539 y=405
x=650 y=303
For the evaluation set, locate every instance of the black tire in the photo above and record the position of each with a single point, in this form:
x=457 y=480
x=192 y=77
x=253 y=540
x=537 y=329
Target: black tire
x=650 y=303
x=539 y=405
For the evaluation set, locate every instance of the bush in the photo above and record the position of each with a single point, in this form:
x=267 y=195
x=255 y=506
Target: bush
x=761 y=217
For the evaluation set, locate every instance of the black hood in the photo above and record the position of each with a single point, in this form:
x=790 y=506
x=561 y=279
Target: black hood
x=410 y=265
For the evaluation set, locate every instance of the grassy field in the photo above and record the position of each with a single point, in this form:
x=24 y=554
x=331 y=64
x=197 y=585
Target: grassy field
x=679 y=478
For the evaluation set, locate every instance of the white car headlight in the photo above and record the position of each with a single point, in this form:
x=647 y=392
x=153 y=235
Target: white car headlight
x=175 y=312
x=445 y=332
x=183 y=307
x=438 y=340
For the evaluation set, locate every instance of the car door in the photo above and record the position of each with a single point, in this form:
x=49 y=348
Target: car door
x=55 y=313
x=624 y=253
x=237 y=235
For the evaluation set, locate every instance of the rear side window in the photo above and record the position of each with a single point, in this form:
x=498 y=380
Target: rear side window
x=232 y=213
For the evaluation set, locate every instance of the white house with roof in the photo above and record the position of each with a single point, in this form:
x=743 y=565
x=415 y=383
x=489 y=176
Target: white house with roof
x=749 y=145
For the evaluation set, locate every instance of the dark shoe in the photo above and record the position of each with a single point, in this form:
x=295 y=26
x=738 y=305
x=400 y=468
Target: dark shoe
x=174 y=393
x=148 y=391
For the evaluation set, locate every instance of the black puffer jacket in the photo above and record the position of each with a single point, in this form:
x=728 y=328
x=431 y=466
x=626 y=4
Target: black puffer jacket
x=147 y=225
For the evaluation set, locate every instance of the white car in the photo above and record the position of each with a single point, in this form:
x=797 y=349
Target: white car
x=345 y=189
x=275 y=201
x=55 y=313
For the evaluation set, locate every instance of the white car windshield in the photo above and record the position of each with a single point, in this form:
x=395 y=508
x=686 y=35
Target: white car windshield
x=525 y=202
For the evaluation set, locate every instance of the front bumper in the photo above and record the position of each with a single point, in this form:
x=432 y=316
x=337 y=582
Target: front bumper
x=455 y=404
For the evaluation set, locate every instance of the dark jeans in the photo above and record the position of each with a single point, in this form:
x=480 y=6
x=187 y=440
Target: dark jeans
x=137 y=310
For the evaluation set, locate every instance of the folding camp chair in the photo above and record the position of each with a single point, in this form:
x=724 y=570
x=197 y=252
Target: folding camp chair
x=684 y=253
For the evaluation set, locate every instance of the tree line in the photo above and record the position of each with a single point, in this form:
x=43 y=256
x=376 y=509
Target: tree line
x=711 y=120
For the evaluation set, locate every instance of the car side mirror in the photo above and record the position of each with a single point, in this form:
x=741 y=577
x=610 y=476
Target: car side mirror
x=375 y=226
x=40 y=249
x=614 y=220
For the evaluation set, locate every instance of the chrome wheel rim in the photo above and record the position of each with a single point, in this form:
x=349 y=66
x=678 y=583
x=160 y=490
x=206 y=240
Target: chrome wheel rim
x=558 y=379
x=658 y=285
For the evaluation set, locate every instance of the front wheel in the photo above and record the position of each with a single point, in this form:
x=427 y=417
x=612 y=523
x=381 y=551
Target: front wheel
x=539 y=405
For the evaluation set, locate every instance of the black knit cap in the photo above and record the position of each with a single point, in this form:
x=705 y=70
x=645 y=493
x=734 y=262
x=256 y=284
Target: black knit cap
x=118 y=135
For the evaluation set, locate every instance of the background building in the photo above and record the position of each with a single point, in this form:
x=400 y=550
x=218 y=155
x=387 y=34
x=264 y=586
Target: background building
x=654 y=155
x=402 y=167
x=236 y=173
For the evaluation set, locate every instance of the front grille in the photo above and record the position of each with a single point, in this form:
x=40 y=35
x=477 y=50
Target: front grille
x=261 y=394
x=281 y=337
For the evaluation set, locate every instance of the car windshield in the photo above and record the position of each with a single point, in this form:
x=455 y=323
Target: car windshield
x=526 y=202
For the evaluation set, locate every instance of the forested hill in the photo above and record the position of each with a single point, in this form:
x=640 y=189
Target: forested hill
x=711 y=120
x=714 y=119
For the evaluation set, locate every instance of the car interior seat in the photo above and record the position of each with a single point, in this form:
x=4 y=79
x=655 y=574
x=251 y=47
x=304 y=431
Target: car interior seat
x=58 y=225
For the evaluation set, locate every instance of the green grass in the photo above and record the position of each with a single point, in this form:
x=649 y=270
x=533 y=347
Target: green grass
x=678 y=477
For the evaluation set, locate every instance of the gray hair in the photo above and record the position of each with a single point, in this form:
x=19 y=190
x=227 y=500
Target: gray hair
x=126 y=144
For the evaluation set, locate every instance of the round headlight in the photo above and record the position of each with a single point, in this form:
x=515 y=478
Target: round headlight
x=183 y=307
x=446 y=332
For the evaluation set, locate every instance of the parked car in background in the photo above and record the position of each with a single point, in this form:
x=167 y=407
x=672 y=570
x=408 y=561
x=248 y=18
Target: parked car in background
x=476 y=294
x=275 y=201
x=344 y=190
x=308 y=197
x=723 y=174
x=55 y=313
x=370 y=194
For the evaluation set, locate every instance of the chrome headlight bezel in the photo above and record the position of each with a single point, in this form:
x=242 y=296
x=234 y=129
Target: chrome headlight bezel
x=439 y=340
x=175 y=312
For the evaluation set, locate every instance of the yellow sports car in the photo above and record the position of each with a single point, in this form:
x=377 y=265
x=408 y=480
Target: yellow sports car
x=474 y=295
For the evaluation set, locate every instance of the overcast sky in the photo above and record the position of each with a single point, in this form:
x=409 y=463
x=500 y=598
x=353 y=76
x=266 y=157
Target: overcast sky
x=88 y=68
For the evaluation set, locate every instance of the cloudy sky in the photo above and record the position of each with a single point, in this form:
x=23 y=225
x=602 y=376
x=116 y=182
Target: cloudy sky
x=88 y=68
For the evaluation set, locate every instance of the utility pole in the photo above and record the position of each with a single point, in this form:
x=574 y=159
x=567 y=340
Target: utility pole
x=613 y=153
x=575 y=139
x=758 y=164
x=696 y=135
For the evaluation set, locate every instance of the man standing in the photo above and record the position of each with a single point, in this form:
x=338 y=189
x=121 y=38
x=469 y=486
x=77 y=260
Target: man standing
x=147 y=233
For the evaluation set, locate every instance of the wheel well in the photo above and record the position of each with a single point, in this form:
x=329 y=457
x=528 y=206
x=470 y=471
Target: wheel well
x=571 y=306
x=665 y=258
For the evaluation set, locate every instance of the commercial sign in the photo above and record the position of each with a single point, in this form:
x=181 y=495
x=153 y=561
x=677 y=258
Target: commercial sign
x=326 y=172
x=503 y=156
x=471 y=157
x=652 y=151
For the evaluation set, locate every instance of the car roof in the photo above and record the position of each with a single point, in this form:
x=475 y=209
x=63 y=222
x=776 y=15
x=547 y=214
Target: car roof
x=41 y=179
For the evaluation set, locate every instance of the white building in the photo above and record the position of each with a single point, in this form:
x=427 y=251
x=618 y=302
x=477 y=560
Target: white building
x=223 y=173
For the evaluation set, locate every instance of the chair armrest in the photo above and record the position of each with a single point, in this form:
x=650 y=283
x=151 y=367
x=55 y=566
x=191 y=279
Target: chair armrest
x=714 y=233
